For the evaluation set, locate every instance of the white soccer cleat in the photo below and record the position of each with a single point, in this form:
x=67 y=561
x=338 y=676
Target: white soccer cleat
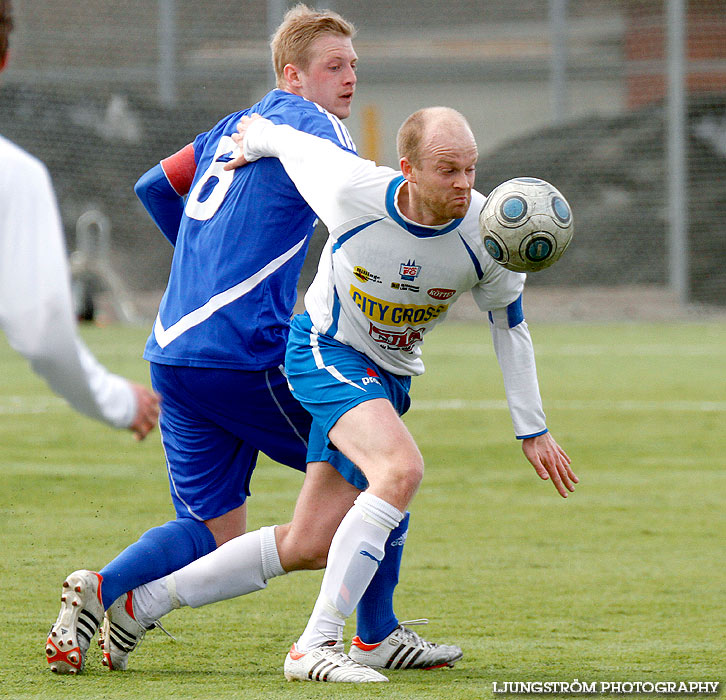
x=80 y=615
x=328 y=663
x=121 y=634
x=403 y=648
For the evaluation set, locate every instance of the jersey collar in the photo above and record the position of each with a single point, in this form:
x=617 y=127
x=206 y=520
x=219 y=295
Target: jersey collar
x=416 y=229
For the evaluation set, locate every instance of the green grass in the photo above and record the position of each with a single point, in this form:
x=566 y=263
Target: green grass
x=625 y=580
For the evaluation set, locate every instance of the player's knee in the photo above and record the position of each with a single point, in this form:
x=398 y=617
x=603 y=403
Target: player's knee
x=413 y=476
x=403 y=478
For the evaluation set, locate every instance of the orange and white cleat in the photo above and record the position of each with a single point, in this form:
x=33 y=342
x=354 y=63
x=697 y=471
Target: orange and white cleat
x=328 y=663
x=78 y=620
x=403 y=648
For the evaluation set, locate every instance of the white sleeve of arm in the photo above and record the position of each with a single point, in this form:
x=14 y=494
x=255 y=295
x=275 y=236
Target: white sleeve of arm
x=36 y=309
x=513 y=347
x=324 y=174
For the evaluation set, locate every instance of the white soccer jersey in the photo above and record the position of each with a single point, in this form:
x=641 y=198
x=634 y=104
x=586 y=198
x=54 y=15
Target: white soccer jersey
x=36 y=309
x=384 y=282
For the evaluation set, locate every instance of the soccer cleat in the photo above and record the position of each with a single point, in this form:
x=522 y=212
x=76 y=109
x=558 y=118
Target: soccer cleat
x=121 y=634
x=328 y=663
x=403 y=648
x=79 y=617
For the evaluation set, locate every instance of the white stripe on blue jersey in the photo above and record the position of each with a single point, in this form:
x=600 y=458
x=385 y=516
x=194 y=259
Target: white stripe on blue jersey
x=240 y=249
x=164 y=336
x=340 y=129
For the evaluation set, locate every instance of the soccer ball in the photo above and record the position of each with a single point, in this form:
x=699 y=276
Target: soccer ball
x=526 y=224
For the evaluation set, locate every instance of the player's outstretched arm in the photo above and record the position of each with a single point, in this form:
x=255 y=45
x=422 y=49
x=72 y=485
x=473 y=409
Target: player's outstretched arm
x=335 y=183
x=550 y=461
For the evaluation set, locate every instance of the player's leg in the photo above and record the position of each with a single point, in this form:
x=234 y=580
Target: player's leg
x=258 y=413
x=324 y=499
x=380 y=640
x=327 y=494
x=356 y=552
x=242 y=565
x=373 y=436
x=351 y=403
x=375 y=615
x=209 y=471
x=246 y=563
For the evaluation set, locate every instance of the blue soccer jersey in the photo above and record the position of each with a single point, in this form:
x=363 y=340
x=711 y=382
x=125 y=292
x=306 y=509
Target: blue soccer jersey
x=239 y=250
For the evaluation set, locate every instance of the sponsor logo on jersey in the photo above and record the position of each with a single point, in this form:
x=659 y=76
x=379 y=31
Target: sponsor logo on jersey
x=403 y=287
x=395 y=340
x=441 y=293
x=391 y=314
x=364 y=276
x=409 y=271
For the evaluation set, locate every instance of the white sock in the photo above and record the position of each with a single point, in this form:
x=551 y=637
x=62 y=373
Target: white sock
x=151 y=602
x=242 y=565
x=355 y=554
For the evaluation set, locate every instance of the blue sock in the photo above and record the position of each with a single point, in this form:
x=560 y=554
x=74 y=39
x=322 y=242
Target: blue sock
x=158 y=552
x=375 y=618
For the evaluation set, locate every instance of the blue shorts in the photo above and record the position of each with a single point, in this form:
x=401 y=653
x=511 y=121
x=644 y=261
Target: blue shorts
x=213 y=424
x=329 y=378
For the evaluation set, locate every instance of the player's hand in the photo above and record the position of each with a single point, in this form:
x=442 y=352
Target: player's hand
x=550 y=461
x=239 y=138
x=147 y=411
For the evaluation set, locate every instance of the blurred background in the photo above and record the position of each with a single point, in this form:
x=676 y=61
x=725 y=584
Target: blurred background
x=619 y=103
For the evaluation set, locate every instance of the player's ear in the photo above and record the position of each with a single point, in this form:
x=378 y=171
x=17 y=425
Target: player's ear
x=292 y=76
x=4 y=60
x=407 y=169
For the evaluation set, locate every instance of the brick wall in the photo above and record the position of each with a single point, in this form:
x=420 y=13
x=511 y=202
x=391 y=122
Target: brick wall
x=645 y=43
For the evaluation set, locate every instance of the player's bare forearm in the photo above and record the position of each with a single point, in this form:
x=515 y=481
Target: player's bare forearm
x=550 y=461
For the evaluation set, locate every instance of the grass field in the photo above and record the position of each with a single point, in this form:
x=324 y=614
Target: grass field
x=623 y=581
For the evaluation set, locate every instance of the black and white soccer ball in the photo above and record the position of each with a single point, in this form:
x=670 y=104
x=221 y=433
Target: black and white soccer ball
x=526 y=224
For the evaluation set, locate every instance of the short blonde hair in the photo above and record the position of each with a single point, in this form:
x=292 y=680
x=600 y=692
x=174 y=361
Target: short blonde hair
x=300 y=27
x=411 y=132
x=408 y=139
